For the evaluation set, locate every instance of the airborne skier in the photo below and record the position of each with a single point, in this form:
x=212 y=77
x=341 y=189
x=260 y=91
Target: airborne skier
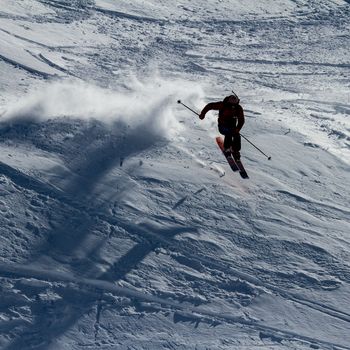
x=230 y=122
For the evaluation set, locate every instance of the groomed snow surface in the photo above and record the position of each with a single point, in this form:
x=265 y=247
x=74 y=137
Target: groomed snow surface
x=122 y=225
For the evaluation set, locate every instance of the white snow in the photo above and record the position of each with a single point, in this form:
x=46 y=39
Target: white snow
x=122 y=225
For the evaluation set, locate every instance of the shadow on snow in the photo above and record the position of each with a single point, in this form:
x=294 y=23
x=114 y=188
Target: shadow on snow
x=92 y=161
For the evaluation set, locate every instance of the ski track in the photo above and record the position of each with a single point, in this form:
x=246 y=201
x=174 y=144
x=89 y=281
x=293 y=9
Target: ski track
x=26 y=68
x=39 y=57
x=28 y=40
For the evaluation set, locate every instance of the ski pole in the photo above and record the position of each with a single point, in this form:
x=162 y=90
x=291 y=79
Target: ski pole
x=179 y=101
x=268 y=157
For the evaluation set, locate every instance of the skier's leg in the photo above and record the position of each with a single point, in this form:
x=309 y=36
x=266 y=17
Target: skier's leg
x=236 y=146
x=227 y=132
x=228 y=140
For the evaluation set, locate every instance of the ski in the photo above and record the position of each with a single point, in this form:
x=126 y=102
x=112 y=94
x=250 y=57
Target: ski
x=229 y=157
x=242 y=171
x=235 y=164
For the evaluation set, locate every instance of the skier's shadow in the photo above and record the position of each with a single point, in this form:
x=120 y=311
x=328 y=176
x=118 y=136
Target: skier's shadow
x=63 y=242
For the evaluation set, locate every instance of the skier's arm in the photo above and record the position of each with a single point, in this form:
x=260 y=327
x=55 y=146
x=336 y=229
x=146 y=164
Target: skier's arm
x=240 y=118
x=210 y=106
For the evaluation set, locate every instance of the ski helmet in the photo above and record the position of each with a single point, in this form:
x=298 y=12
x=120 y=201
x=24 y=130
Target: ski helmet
x=232 y=99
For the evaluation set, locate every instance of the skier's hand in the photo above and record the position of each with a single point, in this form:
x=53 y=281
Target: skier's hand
x=236 y=131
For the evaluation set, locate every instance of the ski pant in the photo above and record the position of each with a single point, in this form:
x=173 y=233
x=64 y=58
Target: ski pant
x=231 y=139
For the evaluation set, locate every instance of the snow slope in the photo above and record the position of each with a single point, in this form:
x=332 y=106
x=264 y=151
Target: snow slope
x=122 y=225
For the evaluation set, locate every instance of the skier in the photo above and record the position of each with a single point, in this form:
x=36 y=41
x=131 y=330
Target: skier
x=230 y=122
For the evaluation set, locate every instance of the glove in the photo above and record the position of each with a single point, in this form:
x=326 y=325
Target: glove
x=236 y=131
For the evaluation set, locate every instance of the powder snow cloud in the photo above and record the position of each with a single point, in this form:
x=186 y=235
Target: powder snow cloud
x=147 y=104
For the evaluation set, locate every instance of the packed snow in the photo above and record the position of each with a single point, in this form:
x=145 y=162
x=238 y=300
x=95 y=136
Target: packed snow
x=122 y=225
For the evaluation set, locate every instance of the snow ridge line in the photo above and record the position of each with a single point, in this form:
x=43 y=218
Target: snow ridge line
x=126 y=15
x=282 y=63
x=303 y=198
x=23 y=180
x=28 y=182
x=195 y=312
